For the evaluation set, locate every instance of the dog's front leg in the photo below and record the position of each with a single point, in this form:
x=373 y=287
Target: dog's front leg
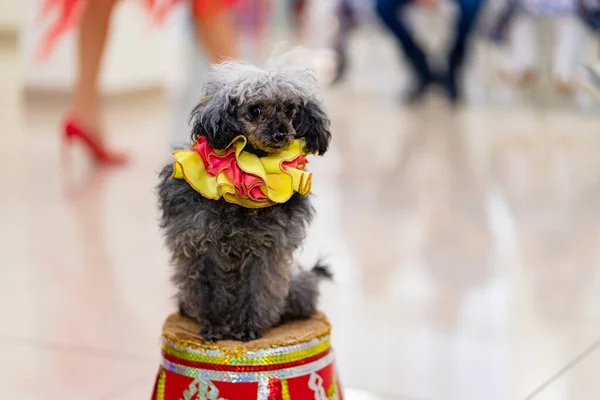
x=207 y=295
x=261 y=300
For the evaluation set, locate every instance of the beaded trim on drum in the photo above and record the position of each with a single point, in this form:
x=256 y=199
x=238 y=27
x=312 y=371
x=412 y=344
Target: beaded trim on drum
x=184 y=350
x=160 y=388
x=285 y=390
x=235 y=377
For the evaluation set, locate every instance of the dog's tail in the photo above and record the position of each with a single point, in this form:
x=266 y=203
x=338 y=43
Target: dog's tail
x=322 y=271
x=303 y=296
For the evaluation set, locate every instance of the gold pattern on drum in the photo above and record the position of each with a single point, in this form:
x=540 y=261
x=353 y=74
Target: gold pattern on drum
x=205 y=389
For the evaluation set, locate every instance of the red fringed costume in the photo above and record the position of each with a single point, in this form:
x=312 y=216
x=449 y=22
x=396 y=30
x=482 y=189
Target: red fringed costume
x=290 y=362
x=68 y=12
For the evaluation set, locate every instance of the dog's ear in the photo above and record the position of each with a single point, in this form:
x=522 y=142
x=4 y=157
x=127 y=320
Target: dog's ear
x=215 y=118
x=312 y=124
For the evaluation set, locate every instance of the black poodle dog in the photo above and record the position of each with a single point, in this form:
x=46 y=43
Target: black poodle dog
x=234 y=267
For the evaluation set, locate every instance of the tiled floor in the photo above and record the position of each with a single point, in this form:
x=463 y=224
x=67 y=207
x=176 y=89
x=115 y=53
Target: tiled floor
x=465 y=246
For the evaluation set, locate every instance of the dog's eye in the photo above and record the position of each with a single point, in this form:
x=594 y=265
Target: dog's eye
x=254 y=112
x=289 y=110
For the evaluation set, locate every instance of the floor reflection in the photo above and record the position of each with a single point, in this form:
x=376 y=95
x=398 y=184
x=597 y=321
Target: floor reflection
x=464 y=243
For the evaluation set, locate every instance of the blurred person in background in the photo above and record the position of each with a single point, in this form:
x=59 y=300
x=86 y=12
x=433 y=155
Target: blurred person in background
x=347 y=13
x=298 y=13
x=590 y=13
x=500 y=24
x=469 y=11
x=252 y=21
x=346 y=18
x=520 y=25
x=214 y=30
x=350 y=15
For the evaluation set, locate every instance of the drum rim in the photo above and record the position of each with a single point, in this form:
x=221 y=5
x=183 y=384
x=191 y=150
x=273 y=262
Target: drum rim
x=220 y=354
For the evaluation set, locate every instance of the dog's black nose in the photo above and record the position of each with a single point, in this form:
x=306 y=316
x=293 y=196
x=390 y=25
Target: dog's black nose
x=279 y=136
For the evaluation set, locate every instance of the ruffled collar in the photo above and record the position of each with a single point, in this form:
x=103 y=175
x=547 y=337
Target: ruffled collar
x=241 y=177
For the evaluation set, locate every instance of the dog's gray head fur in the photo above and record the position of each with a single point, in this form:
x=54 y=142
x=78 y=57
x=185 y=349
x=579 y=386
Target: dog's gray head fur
x=270 y=107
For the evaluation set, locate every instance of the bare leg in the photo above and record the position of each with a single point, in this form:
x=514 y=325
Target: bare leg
x=93 y=30
x=216 y=32
x=571 y=41
x=519 y=65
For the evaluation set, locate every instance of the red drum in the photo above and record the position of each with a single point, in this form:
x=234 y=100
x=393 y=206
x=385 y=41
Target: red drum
x=291 y=362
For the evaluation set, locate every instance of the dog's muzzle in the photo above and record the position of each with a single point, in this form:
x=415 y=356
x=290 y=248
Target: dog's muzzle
x=279 y=137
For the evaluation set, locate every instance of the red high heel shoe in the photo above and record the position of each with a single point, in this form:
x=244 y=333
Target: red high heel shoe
x=100 y=153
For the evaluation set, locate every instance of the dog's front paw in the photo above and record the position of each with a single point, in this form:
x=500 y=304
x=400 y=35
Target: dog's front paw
x=246 y=335
x=213 y=333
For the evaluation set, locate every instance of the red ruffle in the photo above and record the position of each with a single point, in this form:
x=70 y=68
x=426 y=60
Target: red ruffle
x=298 y=163
x=246 y=185
x=68 y=13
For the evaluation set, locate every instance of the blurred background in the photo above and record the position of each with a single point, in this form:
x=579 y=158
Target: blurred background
x=459 y=205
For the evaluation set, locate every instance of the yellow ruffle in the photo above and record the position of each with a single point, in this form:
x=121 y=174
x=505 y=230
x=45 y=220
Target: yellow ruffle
x=280 y=184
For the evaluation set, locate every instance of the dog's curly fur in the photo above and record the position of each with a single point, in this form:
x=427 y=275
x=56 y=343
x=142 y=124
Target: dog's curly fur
x=234 y=265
